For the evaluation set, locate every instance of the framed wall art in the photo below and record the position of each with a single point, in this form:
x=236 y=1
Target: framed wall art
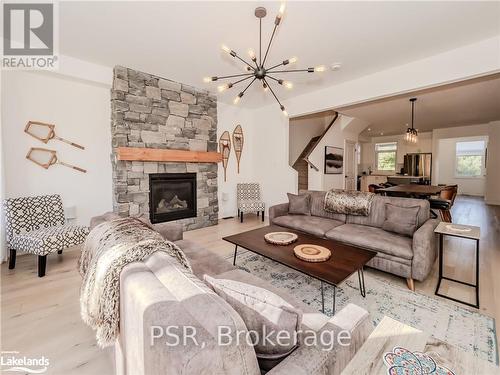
x=334 y=160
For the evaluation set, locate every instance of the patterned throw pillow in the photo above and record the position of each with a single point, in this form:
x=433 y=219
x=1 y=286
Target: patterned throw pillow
x=401 y=220
x=299 y=204
x=262 y=311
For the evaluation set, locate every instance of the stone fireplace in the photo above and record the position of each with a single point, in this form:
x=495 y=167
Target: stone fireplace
x=155 y=113
x=172 y=196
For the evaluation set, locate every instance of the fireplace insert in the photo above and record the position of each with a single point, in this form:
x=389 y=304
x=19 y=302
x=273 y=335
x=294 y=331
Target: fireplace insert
x=172 y=196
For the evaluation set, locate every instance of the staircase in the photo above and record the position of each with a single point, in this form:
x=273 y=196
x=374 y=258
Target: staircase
x=301 y=165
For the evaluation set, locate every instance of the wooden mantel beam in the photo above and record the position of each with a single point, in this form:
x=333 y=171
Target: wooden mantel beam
x=155 y=154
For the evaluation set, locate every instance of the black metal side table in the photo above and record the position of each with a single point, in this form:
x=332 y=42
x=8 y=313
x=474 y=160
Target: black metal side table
x=462 y=231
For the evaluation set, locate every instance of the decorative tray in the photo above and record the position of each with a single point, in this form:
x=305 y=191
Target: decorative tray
x=312 y=253
x=281 y=238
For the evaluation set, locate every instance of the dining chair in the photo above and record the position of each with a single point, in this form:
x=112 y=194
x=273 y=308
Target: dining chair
x=373 y=188
x=444 y=202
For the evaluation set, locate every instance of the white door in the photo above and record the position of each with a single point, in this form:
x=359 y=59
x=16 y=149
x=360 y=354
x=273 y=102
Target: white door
x=350 y=166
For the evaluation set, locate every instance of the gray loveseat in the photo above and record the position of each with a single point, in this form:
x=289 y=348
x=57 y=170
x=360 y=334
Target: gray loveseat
x=408 y=257
x=160 y=292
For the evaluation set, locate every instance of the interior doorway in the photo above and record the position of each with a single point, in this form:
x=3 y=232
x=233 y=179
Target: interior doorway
x=350 y=165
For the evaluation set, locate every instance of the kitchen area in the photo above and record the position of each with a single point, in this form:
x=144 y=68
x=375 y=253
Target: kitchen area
x=417 y=169
x=391 y=160
x=444 y=136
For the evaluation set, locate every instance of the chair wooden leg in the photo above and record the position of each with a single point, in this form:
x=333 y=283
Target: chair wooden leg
x=262 y=215
x=442 y=215
x=42 y=264
x=241 y=218
x=12 y=259
x=411 y=284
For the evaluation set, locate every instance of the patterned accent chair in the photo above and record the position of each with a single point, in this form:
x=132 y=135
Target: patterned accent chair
x=36 y=225
x=249 y=200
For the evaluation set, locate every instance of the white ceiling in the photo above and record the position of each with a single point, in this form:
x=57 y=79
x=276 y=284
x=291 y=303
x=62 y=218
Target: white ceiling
x=181 y=40
x=466 y=103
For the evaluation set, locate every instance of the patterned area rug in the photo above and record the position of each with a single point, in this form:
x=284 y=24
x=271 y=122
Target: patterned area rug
x=469 y=330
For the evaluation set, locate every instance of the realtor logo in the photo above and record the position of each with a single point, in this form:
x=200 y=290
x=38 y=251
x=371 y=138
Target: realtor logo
x=29 y=36
x=12 y=362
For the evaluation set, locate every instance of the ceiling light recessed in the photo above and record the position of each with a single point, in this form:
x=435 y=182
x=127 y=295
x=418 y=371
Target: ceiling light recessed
x=382 y=133
x=335 y=66
x=369 y=129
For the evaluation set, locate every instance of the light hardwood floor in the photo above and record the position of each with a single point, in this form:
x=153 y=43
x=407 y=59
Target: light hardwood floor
x=40 y=316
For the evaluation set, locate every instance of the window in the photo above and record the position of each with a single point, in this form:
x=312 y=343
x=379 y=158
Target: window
x=385 y=156
x=470 y=159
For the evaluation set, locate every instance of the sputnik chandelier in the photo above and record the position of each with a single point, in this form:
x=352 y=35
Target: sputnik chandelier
x=258 y=70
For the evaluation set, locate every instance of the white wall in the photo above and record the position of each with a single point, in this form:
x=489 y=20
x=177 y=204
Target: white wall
x=446 y=167
x=269 y=154
x=228 y=116
x=302 y=130
x=81 y=111
x=492 y=188
x=491 y=183
x=455 y=132
x=3 y=249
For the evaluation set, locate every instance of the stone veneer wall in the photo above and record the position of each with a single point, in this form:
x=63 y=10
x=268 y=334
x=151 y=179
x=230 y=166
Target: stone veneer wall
x=153 y=112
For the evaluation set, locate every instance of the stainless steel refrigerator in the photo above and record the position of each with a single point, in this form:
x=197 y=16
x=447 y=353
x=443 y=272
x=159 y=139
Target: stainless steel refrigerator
x=419 y=165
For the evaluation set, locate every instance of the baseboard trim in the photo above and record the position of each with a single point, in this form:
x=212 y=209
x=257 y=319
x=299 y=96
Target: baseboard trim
x=494 y=203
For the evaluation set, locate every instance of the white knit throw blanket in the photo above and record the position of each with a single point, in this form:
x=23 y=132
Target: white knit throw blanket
x=108 y=248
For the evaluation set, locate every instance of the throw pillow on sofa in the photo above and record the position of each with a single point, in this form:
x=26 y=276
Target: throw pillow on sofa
x=299 y=204
x=401 y=220
x=263 y=312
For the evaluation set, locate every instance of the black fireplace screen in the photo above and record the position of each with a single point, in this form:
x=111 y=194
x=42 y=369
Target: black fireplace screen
x=172 y=196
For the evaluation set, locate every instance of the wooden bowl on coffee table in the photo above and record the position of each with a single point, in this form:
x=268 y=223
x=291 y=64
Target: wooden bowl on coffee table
x=280 y=238
x=312 y=253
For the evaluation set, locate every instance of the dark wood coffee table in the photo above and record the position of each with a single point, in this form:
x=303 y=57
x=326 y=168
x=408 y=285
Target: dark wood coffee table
x=345 y=260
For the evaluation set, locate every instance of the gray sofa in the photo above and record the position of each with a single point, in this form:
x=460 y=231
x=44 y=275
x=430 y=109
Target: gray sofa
x=160 y=292
x=408 y=257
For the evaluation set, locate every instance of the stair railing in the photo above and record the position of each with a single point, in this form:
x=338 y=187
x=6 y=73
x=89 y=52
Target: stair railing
x=306 y=157
x=311 y=165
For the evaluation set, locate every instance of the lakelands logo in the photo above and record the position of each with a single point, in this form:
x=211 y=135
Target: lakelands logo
x=13 y=362
x=29 y=31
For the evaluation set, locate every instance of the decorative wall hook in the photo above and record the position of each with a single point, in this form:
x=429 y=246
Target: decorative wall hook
x=45 y=158
x=45 y=132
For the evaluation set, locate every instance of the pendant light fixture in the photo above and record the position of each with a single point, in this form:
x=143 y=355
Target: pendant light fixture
x=257 y=70
x=412 y=133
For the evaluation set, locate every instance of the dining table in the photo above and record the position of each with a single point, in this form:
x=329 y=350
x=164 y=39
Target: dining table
x=413 y=190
